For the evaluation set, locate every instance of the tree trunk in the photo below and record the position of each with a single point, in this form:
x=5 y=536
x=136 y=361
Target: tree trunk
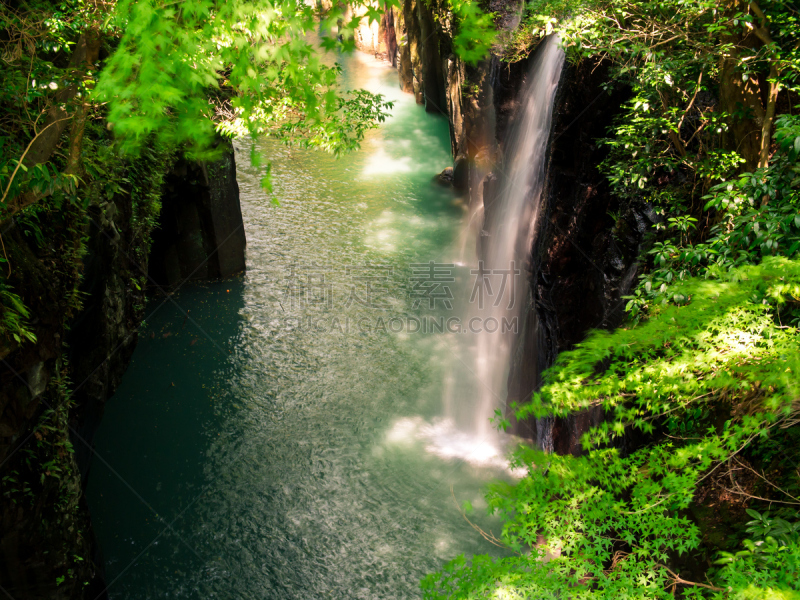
x=736 y=96
x=750 y=133
x=769 y=118
x=762 y=32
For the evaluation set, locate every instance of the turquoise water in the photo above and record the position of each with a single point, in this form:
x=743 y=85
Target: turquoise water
x=281 y=434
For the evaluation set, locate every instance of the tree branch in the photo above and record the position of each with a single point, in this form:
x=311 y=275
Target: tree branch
x=677 y=579
x=762 y=32
x=22 y=158
x=691 y=102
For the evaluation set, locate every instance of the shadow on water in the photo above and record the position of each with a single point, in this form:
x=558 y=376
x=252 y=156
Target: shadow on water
x=160 y=425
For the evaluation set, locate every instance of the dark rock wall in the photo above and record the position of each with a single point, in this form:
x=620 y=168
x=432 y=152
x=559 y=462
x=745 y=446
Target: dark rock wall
x=103 y=335
x=587 y=247
x=41 y=522
x=439 y=80
x=201 y=235
x=407 y=60
x=434 y=42
x=390 y=36
x=88 y=299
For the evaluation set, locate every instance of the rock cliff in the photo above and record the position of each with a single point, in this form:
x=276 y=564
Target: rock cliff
x=201 y=235
x=84 y=278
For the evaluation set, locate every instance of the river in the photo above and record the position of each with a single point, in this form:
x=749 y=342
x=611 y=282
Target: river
x=281 y=434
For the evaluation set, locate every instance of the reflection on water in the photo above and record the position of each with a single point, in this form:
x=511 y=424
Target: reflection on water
x=249 y=454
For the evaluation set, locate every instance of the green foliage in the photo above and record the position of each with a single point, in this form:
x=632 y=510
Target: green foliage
x=719 y=373
x=354 y=116
x=181 y=75
x=757 y=215
x=253 y=57
x=111 y=176
x=499 y=420
x=763 y=527
x=726 y=341
x=703 y=79
x=769 y=564
x=42 y=178
x=774 y=578
x=38 y=40
x=594 y=526
x=42 y=478
x=14 y=319
x=475 y=32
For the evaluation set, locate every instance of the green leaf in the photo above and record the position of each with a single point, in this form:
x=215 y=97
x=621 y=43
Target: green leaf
x=753 y=513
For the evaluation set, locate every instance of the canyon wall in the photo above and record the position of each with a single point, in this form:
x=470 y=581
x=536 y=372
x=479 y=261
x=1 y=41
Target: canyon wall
x=84 y=277
x=201 y=234
x=584 y=259
x=85 y=280
x=418 y=37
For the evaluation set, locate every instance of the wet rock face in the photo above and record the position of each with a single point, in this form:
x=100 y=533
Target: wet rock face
x=443 y=83
x=507 y=81
x=389 y=36
x=201 y=234
x=104 y=334
x=407 y=35
x=588 y=243
x=434 y=43
x=585 y=250
x=419 y=35
x=445 y=178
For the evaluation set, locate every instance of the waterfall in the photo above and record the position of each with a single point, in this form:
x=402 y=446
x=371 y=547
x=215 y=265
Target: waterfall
x=501 y=276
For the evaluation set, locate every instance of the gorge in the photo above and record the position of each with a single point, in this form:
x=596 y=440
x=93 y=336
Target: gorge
x=528 y=329
x=181 y=397
x=257 y=482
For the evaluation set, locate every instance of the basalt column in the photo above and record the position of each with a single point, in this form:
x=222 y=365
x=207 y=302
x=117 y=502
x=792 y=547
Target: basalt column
x=201 y=234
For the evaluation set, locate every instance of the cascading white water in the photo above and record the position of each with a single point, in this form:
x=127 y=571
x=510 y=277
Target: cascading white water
x=500 y=277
